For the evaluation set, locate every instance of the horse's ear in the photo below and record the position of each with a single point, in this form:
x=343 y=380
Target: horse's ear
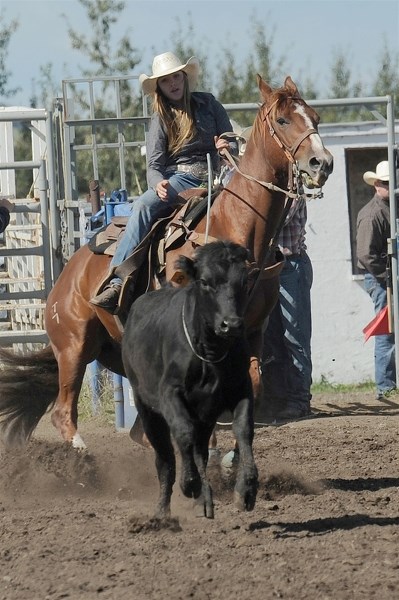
x=290 y=85
x=264 y=88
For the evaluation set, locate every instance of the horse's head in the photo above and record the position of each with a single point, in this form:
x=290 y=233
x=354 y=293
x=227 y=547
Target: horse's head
x=294 y=126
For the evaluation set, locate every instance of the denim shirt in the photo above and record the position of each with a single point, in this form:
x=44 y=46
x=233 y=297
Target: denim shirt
x=210 y=119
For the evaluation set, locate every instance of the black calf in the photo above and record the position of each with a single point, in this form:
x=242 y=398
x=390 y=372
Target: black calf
x=185 y=354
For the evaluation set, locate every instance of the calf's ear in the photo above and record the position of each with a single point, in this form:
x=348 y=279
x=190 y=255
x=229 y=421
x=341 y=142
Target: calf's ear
x=185 y=271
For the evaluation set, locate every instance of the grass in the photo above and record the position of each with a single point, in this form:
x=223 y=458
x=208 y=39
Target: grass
x=104 y=409
x=326 y=386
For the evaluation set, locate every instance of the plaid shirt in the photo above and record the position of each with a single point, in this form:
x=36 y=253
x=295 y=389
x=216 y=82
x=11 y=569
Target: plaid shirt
x=292 y=237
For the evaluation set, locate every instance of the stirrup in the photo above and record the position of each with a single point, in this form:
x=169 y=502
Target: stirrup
x=108 y=299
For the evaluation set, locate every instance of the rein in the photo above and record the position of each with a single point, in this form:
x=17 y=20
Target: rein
x=265 y=184
x=185 y=329
x=295 y=188
x=289 y=153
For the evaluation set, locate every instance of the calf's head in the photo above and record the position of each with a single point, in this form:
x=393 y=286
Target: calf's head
x=219 y=271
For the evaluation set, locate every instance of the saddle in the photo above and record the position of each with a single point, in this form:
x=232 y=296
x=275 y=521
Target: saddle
x=145 y=269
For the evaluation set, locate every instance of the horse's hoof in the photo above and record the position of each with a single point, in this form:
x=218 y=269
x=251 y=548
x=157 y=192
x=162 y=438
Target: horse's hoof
x=230 y=460
x=78 y=443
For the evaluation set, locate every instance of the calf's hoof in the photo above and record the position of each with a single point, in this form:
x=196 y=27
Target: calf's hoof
x=191 y=486
x=246 y=500
x=204 y=508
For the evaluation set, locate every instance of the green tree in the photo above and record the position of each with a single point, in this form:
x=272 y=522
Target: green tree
x=105 y=55
x=387 y=79
x=6 y=31
x=185 y=50
x=341 y=86
x=263 y=61
x=45 y=88
x=239 y=85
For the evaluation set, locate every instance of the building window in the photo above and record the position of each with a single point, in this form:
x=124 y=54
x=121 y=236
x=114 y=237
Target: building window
x=358 y=161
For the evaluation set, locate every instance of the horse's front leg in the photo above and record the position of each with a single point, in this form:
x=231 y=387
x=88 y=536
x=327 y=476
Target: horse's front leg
x=246 y=486
x=65 y=413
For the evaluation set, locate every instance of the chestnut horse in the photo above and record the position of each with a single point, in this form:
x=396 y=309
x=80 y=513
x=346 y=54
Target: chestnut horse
x=283 y=152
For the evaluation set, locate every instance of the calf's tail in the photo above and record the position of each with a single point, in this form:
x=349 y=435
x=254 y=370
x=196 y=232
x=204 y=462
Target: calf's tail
x=28 y=388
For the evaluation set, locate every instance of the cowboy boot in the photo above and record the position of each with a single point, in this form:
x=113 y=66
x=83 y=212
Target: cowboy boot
x=108 y=299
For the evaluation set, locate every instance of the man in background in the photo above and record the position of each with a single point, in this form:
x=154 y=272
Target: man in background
x=373 y=231
x=287 y=362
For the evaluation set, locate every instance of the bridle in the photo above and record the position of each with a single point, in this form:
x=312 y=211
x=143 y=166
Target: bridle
x=295 y=187
x=289 y=151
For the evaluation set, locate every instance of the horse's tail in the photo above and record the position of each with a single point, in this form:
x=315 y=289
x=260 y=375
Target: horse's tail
x=28 y=388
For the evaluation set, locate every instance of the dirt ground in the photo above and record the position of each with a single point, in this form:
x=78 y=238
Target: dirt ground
x=325 y=525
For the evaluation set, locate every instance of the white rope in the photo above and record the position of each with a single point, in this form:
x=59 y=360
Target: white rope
x=210 y=185
x=191 y=344
x=267 y=184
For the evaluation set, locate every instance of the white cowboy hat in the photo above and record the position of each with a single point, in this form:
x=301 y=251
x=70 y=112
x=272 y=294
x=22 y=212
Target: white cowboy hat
x=381 y=173
x=166 y=64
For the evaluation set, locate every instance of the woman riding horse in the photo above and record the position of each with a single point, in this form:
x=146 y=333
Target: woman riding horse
x=185 y=127
x=283 y=152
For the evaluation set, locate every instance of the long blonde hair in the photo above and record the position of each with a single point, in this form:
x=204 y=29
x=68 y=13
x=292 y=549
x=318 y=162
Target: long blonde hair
x=179 y=122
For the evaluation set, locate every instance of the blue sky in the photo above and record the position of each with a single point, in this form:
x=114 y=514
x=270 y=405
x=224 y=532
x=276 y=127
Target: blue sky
x=308 y=33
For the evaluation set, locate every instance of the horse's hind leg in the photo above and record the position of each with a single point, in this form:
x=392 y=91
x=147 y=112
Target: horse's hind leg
x=65 y=413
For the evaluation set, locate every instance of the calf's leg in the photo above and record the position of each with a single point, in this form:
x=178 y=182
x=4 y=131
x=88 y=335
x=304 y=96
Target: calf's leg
x=201 y=453
x=183 y=431
x=158 y=433
x=247 y=475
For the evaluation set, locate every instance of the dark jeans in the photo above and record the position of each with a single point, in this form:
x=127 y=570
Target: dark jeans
x=145 y=210
x=287 y=369
x=384 y=345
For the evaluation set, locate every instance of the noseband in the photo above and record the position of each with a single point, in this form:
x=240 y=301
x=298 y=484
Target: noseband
x=289 y=151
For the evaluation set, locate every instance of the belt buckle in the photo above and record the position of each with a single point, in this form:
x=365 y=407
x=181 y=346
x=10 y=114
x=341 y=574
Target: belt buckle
x=199 y=170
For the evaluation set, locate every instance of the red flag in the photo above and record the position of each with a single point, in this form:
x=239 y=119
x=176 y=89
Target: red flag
x=377 y=326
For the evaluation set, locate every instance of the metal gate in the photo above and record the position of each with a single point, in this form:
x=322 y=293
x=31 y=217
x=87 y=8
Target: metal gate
x=78 y=111
x=29 y=251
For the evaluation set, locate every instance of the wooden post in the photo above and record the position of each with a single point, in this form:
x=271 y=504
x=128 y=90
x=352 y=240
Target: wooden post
x=94 y=196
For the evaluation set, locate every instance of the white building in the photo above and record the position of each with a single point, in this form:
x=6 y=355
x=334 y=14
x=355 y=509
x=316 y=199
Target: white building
x=341 y=307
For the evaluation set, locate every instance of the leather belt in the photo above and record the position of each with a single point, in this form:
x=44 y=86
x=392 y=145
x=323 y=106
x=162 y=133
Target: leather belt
x=198 y=169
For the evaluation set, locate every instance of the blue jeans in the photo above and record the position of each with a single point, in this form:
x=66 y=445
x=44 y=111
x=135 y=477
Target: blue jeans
x=384 y=345
x=287 y=372
x=146 y=210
